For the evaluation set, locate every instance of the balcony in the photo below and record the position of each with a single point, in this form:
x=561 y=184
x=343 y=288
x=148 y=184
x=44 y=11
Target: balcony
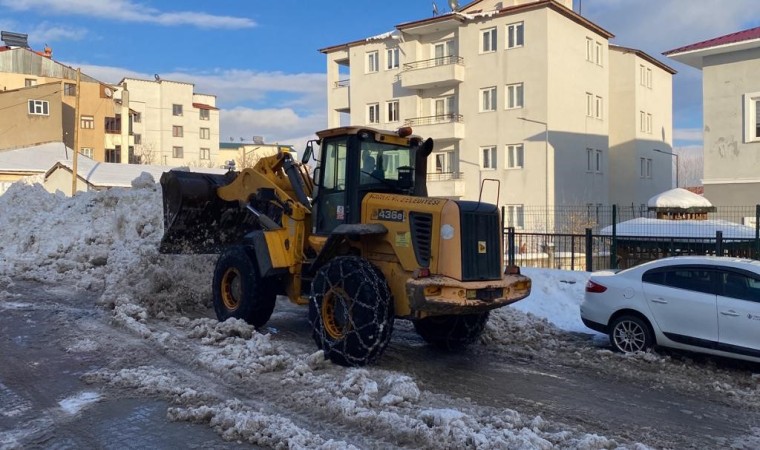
x=443 y=126
x=340 y=95
x=436 y=72
x=445 y=184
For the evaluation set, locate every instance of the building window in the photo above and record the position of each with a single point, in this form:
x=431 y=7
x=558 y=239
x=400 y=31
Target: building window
x=444 y=162
x=645 y=75
x=444 y=108
x=515 y=35
x=589 y=104
x=488 y=40
x=649 y=123
x=598 y=53
x=515 y=156
x=589 y=160
x=373 y=113
x=372 y=62
x=87 y=122
x=598 y=161
x=391 y=56
x=178 y=152
x=646 y=168
x=113 y=155
x=391 y=108
x=752 y=117
x=645 y=120
x=69 y=89
x=177 y=131
x=205 y=154
x=442 y=51
x=113 y=124
x=515 y=216
x=598 y=107
x=137 y=117
x=589 y=49
x=205 y=133
x=86 y=151
x=39 y=107
x=489 y=157
x=176 y=110
x=204 y=114
x=138 y=139
x=29 y=82
x=488 y=99
x=514 y=96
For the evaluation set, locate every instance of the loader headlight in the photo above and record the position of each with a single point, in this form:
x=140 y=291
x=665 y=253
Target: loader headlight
x=447 y=231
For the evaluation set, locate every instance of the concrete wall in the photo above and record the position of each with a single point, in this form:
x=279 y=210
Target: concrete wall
x=18 y=128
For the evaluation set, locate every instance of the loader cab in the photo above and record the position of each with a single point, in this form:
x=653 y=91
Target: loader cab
x=355 y=162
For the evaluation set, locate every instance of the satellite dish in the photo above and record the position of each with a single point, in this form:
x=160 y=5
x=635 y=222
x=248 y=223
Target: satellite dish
x=435 y=9
x=454 y=5
x=108 y=92
x=158 y=78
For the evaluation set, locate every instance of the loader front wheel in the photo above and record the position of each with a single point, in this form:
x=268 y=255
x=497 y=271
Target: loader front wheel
x=351 y=311
x=239 y=291
x=451 y=332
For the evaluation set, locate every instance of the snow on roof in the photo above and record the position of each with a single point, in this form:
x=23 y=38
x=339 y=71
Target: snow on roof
x=37 y=158
x=102 y=174
x=678 y=198
x=643 y=227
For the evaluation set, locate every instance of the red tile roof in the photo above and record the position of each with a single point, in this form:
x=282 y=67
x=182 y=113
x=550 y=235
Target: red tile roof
x=739 y=36
x=204 y=106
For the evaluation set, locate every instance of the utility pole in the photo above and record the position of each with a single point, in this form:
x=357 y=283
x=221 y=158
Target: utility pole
x=75 y=169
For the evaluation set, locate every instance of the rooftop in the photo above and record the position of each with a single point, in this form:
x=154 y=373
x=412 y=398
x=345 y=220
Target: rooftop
x=693 y=54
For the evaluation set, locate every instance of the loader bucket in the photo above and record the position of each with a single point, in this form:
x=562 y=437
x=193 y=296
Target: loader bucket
x=196 y=220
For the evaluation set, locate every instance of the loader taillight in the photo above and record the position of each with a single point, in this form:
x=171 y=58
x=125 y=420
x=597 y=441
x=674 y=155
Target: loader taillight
x=422 y=272
x=595 y=287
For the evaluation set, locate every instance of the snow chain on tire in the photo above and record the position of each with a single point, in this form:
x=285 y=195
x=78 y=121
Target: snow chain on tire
x=351 y=311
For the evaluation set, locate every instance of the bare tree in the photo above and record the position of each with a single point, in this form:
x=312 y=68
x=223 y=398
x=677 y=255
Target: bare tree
x=147 y=153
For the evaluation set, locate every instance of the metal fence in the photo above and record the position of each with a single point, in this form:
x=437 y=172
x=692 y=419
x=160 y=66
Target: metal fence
x=590 y=238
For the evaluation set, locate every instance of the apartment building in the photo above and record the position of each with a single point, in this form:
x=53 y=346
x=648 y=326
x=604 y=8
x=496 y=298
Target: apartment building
x=730 y=68
x=172 y=124
x=23 y=72
x=521 y=92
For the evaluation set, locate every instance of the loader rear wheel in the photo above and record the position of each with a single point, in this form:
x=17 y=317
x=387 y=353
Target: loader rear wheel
x=351 y=311
x=451 y=332
x=239 y=291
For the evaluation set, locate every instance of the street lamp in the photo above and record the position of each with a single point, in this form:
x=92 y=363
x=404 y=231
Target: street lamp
x=671 y=154
x=546 y=175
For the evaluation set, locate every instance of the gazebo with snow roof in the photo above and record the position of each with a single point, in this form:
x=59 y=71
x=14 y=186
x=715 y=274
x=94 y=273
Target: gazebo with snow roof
x=680 y=204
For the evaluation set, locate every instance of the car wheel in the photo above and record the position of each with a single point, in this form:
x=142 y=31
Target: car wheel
x=630 y=334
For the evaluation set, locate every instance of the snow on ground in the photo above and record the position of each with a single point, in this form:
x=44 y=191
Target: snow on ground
x=106 y=242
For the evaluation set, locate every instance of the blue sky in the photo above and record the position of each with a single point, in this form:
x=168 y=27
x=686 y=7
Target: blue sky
x=261 y=58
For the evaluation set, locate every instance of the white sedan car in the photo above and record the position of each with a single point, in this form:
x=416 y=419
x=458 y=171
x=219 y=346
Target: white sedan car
x=697 y=303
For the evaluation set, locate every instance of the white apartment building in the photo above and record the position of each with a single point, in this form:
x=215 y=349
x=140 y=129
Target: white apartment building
x=519 y=91
x=730 y=68
x=172 y=125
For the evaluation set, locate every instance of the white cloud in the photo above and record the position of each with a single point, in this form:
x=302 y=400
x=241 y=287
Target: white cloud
x=688 y=134
x=128 y=11
x=283 y=126
x=45 y=33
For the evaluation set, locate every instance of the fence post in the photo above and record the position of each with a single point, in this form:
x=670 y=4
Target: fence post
x=613 y=245
x=718 y=243
x=757 y=232
x=572 y=252
x=511 y=246
x=589 y=251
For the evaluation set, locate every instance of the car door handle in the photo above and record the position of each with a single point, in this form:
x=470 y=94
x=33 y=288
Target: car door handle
x=659 y=300
x=730 y=313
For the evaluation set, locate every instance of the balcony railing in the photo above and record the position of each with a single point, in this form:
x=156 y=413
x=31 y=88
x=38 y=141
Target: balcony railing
x=432 y=120
x=443 y=176
x=342 y=83
x=442 y=61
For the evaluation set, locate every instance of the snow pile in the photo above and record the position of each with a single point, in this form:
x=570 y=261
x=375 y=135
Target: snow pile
x=678 y=198
x=72 y=405
x=104 y=241
x=642 y=227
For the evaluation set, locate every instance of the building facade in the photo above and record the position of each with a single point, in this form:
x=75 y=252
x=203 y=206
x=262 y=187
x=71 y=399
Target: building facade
x=518 y=96
x=23 y=70
x=172 y=124
x=730 y=68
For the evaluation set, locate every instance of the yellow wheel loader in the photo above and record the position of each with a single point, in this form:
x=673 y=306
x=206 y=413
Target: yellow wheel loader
x=358 y=241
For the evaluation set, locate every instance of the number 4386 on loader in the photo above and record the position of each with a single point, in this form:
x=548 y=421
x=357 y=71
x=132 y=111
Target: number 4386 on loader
x=359 y=242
